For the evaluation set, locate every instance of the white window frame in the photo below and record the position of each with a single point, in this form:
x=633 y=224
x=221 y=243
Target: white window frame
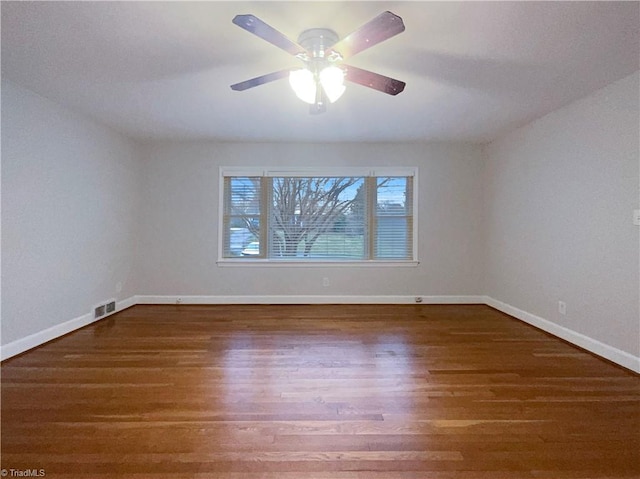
x=317 y=172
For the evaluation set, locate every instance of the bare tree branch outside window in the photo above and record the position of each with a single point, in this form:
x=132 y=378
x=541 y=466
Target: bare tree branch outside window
x=303 y=209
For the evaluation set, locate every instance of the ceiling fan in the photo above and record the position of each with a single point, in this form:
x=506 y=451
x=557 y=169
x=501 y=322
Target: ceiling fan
x=322 y=54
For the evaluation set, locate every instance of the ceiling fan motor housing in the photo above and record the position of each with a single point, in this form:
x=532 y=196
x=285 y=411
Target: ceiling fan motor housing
x=317 y=40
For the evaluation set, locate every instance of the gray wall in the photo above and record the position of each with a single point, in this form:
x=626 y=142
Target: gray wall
x=180 y=196
x=559 y=198
x=69 y=203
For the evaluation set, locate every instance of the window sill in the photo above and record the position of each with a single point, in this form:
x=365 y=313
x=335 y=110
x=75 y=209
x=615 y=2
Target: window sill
x=315 y=263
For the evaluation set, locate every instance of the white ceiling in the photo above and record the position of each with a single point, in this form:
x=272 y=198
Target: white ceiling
x=474 y=70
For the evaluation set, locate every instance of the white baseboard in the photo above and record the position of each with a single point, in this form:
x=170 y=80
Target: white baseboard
x=594 y=346
x=615 y=355
x=310 y=299
x=37 y=339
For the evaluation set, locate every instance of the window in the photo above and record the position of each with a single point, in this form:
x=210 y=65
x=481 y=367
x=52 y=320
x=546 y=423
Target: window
x=305 y=216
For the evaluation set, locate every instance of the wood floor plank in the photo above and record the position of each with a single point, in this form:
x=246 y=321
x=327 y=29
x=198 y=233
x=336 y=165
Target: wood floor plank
x=318 y=391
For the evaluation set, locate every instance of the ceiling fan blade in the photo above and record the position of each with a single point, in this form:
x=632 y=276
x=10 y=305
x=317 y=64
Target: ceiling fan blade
x=261 y=80
x=254 y=25
x=387 y=85
x=381 y=28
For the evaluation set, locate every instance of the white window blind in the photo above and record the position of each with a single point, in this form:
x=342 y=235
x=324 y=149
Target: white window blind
x=393 y=218
x=318 y=218
x=242 y=217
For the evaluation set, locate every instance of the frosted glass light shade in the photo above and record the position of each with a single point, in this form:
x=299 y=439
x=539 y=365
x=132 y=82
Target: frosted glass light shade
x=332 y=81
x=303 y=84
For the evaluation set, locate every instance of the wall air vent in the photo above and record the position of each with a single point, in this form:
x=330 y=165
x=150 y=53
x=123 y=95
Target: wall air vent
x=104 y=309
x=111 y=306
x=99 y=311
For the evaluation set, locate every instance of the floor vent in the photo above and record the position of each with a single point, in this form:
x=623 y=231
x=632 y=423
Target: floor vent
x=111 y=307
x=99 y=311
x=104 y=309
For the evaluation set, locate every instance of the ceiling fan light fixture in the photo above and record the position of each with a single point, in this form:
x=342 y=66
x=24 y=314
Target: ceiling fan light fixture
x=303 y=84
x=332 y=81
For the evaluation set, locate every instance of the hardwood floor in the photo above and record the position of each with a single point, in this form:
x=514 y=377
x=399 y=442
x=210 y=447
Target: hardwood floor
x=322 y=392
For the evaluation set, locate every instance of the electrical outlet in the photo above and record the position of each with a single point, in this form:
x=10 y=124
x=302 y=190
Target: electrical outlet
x=99 y=311
x=562 y=307
x=636 y=217
x=325 y=281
